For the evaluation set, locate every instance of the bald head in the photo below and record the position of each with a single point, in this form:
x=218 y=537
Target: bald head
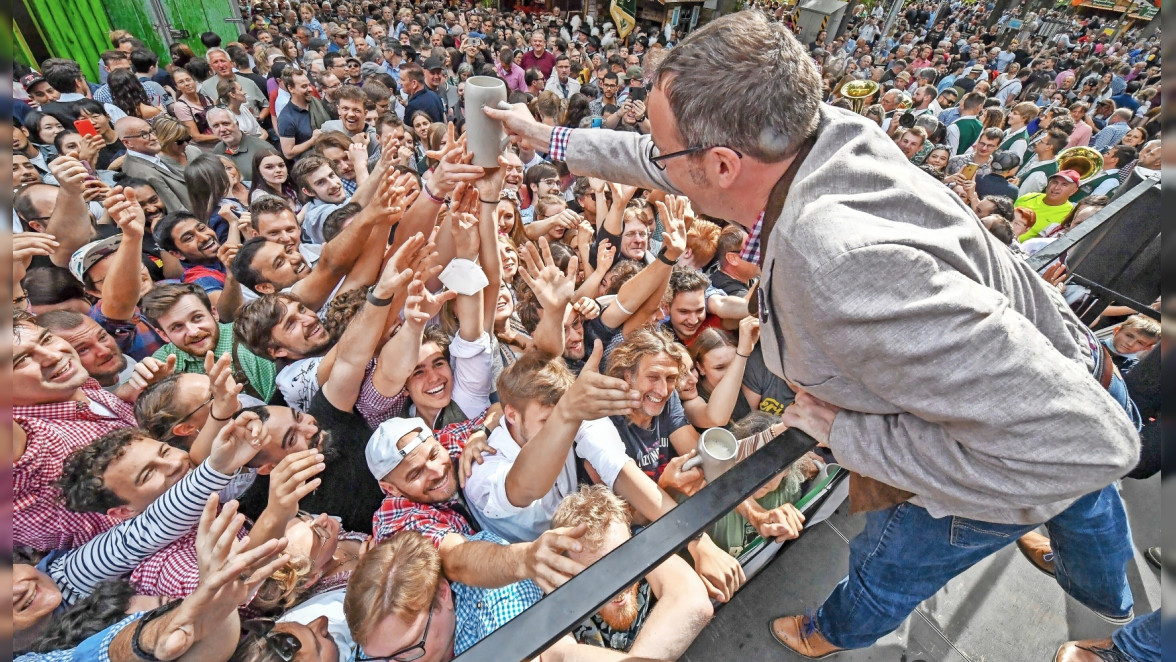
x=137 y=135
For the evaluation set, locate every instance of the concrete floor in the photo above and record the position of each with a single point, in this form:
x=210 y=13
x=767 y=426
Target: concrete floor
x=1001 y=610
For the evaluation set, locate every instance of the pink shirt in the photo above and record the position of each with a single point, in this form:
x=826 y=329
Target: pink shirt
x=516 y=79
x=1080 y=136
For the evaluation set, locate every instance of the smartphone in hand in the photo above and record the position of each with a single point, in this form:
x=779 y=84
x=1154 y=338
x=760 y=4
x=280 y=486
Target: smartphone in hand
x=85 y=127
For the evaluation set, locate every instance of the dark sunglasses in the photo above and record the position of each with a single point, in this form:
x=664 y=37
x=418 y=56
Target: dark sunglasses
x=282 y=644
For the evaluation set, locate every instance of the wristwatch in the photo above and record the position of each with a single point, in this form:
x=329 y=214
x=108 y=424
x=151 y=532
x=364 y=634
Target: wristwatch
x=376 y=301
x=661 y=255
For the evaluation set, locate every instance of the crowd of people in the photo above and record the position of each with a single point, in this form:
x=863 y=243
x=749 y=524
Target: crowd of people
x=294 y=380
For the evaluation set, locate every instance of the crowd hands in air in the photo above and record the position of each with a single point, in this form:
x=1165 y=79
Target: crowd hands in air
x=351 y=394
x=294 y=380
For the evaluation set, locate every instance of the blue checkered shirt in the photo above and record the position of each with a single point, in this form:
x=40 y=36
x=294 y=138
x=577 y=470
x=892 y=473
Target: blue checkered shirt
x=94 y=649
x=481 y=611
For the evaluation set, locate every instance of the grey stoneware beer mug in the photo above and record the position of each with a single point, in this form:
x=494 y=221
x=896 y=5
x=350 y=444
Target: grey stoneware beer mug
x=484 y=136
x=717 y=449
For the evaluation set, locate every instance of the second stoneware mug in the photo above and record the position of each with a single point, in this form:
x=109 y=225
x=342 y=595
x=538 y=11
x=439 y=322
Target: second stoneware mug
x=717 y=449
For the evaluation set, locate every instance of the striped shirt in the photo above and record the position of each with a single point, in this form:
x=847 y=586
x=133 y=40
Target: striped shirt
x=118 y=551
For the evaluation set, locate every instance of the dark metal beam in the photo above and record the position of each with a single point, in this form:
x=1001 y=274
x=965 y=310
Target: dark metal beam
x=537 y=628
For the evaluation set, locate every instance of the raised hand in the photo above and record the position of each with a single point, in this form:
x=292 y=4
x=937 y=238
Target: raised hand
x=123 y=207
x=453 y=166
x=673 y=214
x=422 y=305
x=594 y=395
x=553 y=288
x=489 y=185
x=749 y=333
x=151 y=370
x=586 y=308
x=225 y=388
x=229 y=575
x=70 y=173
x=25 y=245
x=520 y=124
x=546 y=561
x=292 y=479
x=466 y=240
x=394 y=276
x=226 y=254
x=605 y=254
x=94 y=190
x=237 y=443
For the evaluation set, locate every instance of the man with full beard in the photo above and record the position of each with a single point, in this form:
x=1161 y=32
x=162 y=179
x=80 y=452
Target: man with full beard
x=657 y=617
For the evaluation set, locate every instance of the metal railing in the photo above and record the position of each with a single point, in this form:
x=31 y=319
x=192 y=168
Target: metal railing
x=533 y=631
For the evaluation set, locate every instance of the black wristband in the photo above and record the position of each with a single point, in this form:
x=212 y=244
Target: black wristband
x=217 y=418
x=136 y=647
x=376 y=301
x=488 y=202
x=661 y=255
x=743 y=356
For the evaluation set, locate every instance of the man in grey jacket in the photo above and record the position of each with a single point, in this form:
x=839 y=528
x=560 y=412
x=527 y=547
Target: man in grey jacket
x=950 y=379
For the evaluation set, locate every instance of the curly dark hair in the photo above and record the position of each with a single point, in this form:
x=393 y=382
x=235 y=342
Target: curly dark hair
x=341 y=310
x=104 y=607
x=127 y=92
x=82 y=488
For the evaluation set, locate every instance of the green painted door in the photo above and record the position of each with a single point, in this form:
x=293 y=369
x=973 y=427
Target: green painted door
x=198 y=17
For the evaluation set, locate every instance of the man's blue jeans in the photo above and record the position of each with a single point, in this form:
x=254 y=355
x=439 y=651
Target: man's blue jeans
x=904 y=556
x=1140 y=639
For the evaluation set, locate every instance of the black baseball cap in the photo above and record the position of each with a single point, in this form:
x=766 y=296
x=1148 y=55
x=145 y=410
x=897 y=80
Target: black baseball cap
x=432 y=62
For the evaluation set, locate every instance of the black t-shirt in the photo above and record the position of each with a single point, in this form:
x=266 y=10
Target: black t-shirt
x=650 y=447
x=773 y=391
x=108 y=154
x=991 y=184
x=728 y=284
x=348 y=489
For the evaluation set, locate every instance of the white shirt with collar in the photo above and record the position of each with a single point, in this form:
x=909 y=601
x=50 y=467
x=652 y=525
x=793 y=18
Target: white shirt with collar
x=565 y=90
x=153 y=159
x=596 y=441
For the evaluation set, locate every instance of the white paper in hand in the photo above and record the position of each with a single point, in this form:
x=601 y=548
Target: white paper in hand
x=464 y=277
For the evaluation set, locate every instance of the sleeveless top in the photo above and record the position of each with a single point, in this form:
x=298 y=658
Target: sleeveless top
x=970 y=129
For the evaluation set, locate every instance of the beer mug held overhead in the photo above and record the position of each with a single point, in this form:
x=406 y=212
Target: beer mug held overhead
x=485 y=136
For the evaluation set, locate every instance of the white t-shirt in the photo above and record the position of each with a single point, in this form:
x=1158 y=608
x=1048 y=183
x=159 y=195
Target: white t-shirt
x=596 y=441
x=329 y=604
x=299 y=383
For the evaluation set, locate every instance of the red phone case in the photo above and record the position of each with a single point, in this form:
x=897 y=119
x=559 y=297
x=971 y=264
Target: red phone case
x=85 y=127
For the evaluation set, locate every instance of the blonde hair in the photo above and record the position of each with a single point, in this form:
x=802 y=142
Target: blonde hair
x=597 y=507
x=1143 y=324
x=534 y=377
x=400 y=576
x=169 y=130
x=543 y=203
x=285 y=587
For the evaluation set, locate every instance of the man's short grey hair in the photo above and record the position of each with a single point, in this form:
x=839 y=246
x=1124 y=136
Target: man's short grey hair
x=216 y=110
x=715 y=104
x=216 y=49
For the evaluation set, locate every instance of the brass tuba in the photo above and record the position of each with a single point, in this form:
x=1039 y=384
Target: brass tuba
x=859 y=92
x=1085 y=161
x=905 y=102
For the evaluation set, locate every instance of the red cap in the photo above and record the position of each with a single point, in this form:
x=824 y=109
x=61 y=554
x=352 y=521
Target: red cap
x=1069 y=175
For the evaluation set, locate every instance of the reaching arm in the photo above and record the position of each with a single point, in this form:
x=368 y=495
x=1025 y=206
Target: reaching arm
x=120 y=289
x=683 y=609
x=292 y=150
x=70 y=221
x=491 y=565
x=643 y=292
x=363 y=333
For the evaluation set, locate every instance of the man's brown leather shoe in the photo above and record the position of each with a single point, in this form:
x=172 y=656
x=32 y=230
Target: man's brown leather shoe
x=1036 y=548
x=799 y=634
x=1091 y=650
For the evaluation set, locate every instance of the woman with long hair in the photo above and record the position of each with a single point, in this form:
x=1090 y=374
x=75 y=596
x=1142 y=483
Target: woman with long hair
x=181 y=54
x=43 y=129
x=189 y=108
x=126 y=92
x=936 y=162
x=272 y=177
x=209 y=191
x=576 y=111
x=508 y=219
x=711 y=391
x=237 y=189
x=173 y=141
x=993 y=117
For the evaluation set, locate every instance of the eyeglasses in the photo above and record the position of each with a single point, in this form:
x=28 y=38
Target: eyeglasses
x=145 y=134
x=192 y=413
x=404 y=654
x=283 y=644
x=659 y=160
x=551 y=181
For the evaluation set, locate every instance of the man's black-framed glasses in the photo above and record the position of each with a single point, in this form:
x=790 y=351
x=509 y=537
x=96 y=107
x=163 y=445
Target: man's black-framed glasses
x=659 y=160
x=409 y=654
x=183 y=419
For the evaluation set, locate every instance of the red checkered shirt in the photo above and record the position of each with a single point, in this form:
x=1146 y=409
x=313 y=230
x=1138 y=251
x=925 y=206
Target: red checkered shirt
x=435 y=520
x=172 y=571
x=54 y=431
